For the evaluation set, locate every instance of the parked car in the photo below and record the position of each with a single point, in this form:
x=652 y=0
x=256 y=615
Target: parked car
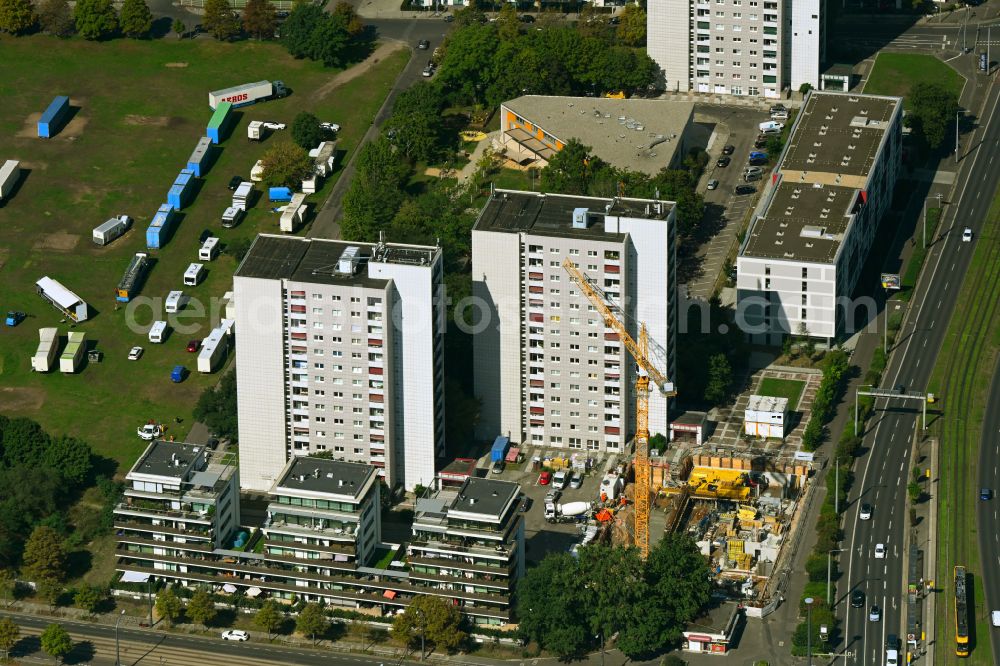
x=448 y=18
x=428 y=71
x=545 y=478
x=712 y=184
x=750 y=170
x=423 y=44
x=758 y=161
x=745 y=189
x=14 y=317
x=330 y=127
x=857 y=599
x=149 y=432
x=723 y=161
x=757 y=155
x=235 y=635
x=525 y=504
x=497 y=467
x=760 y=142
x=967 y=235
x=729 y=150
x=995 y=618
x=135 y=353
x=576 y=480
x=553 y=495
x=234 y=182
x=560 y=479
x=880 y=551
x=527 y=18
x=193 y=346
x=866 y=512
x=178 y=374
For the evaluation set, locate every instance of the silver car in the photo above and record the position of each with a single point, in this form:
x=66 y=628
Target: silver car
x=576 y=480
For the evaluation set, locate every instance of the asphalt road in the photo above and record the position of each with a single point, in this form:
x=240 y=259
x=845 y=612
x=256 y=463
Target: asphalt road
x=989 y=512
x=884 y=469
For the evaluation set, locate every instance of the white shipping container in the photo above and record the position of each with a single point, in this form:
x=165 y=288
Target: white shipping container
x=248 y=93
x=9 y=173
x=48 y=346
x=112 y=229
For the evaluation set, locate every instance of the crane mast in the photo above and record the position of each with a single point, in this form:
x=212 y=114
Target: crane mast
x=639 y=350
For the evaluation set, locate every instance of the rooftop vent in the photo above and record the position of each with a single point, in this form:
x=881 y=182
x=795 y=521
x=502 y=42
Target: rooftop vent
x=472 y=500
x=853 y=99
x=349 y=259
x=581 y=218
x=316 y=473
x=833 y=109
x=812 y=231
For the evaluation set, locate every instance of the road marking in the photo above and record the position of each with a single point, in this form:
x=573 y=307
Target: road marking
x=952 y=267
x=890 y=525
x=918 y=364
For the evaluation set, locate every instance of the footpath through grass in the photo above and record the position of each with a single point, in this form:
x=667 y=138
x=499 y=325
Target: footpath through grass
x=142 y=105
x=961 y=380
x=897 y=73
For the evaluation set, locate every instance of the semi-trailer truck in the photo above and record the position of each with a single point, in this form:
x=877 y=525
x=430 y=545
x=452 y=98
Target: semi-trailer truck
x=248 y=93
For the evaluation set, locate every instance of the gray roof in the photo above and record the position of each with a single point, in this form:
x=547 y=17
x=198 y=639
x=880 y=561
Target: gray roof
x=484 y=496
x=170 y=459
x=318 y=475
x=552 y=214
x=611 y=127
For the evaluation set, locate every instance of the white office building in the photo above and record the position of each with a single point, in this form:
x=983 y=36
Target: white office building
x=341 y=350
x=548 y=370
x=757 y=48
x=817 y=218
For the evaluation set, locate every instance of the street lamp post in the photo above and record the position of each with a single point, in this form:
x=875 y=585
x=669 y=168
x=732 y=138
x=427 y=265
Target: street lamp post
x=149 y=598
x=118 y=653
x=809 y=628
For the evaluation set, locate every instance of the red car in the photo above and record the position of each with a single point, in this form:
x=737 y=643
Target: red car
x=545 y=478
x=194 y=345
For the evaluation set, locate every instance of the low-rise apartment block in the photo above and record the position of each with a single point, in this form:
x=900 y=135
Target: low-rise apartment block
x=341 y=350
x=548 y=370
x=814 y=226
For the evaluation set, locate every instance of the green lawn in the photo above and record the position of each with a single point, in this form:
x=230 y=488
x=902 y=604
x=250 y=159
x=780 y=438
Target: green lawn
x=782 y=388
x=142 y=107
x=897 y=73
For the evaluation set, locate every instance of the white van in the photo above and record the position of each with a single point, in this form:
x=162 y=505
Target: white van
x=194 y=274
x=891 y=658
x=209 y=249
x=158 y=332
x=771 y=126
x=175 y=301
x=232 y=216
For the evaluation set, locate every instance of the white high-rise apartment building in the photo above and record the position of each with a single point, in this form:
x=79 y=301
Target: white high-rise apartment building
x=341 y=350
x=548 y=371
x=737 y=47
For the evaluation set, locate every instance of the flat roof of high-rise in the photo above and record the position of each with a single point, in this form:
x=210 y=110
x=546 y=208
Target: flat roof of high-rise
x=317 y=260
x=169 y=459
x=484 y=496
x=320 y=475
x=541 y=214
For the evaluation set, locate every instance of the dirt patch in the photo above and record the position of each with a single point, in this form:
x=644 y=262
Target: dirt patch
x=59 y=241
x=34 y=166
x=30 y=128
x=74 y=128
x=176 y=64
x=149 y=121
x=22 y=399
x=383 y=51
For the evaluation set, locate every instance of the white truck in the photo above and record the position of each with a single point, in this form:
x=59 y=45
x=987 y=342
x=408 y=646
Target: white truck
x=248 y=93
x=112 y=229
x=611 y=486
x=258 y=130
x=563 y=513
x=9 y=174
x=294 y=213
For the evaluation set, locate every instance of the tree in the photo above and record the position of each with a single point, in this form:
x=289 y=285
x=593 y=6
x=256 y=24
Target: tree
x=329 y=40
x=270 y=617
x=720 y=377
x=631 y=30
x=71 y=457
x=135 y=18
x=312 y=621
x=432 y=617
x=552 y=609
x=416 y=121
x=915 y=492
x=9 y=634
x=95 y=19
x=297 y=29
x=286 y=165
x=178 y=27
x=56 y=18
x=220 y=20
x=345 y=13
x=44 y=555
x=49 y=590
x=168 y=606
x=805 y=88
x=259 y=19
x=16 y=16
x=216 y=407
x=56 y=642
x=89 y=598
x=375 y=193
x=508 y=23
x=201 y=607
x=933 y=109
x=306 y=131
x=569 y=170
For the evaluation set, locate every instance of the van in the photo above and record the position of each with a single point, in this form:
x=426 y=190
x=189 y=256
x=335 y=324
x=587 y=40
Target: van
x=771 y=125
x=231 y=217
x=774 y=131
x=158 y=332
x=995 y=618
x=194 y=274
x=891 y=658
x=209 y=249
x=175 y=301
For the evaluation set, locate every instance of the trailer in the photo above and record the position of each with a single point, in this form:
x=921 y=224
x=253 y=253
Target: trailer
x=53 y=118
x=248 y=93
x=213 y=349
x=256 y=131
x=72 y=356
x=176 y=300
x=311 y=184
x=114 y=228
x=134 y=276
x=179 y=195
x=194 y=274
x=294 y=213
x=324 y=156
x=243 y=195
x=232 y=216
x=62 y=298
x=499 y=449
x=48 y=347
x=257 y=172
x=10 y=172
x=158 y=332
x=161 y=227
x=209 y=250
x=220 y=123
x=201 y=158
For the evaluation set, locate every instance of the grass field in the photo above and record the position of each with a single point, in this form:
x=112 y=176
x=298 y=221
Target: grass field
x=142 y=107
x=962 y=378
x=782 y=388
x=897 y=73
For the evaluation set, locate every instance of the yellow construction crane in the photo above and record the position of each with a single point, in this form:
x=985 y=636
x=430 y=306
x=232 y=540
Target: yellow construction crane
x=648 y=372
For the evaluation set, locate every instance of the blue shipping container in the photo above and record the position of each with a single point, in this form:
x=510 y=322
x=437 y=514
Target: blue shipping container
x=161 y=227
x=280 y=194
x=51 y=121
x=180 y=193
x=200 y=159
x=499 y=450
x=218 y=125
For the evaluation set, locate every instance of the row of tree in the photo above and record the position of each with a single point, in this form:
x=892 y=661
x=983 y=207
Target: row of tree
x=92 y=19
x=334 y=38
x=569 y=605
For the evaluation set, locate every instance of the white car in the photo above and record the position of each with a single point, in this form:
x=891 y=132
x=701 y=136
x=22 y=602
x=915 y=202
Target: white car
x=330 y=127
x=967 y=235
x=880 y=551
x=560 y=479
x=135 y=353
x=995 y=618
x=713 y=184
x=891 y=658
x=235 y=635
x=875 y=614
x=866 y=512
x=149 y=432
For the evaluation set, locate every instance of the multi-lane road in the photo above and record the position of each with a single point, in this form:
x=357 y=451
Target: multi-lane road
x=989 y=512
x=883 y=471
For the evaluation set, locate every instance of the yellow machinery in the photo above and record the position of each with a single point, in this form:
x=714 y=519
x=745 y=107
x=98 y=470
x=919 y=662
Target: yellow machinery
x=640 y=352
